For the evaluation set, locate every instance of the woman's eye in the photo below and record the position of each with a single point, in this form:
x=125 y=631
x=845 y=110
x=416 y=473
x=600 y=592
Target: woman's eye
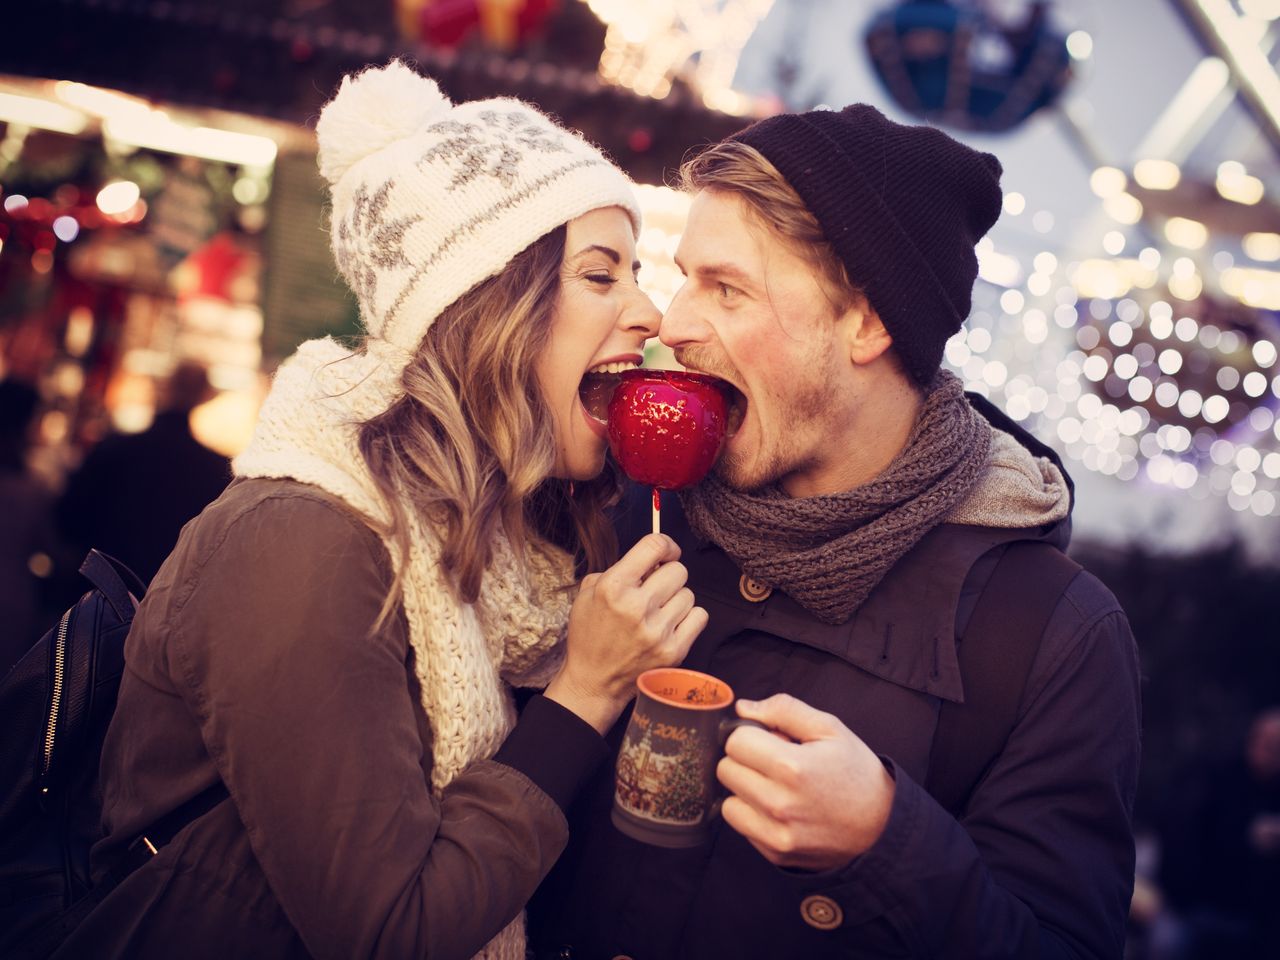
x=604 y=279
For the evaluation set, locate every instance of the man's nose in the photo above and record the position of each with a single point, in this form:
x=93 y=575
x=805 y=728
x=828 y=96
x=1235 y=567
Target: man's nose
x=680 y=324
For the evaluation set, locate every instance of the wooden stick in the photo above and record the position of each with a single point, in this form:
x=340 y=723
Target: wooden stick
x=657 y=506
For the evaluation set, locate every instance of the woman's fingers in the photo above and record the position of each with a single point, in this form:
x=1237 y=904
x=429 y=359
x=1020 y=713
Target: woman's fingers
x=676 y=609
x=650 y=551
x=686 y=631
x=663 y=584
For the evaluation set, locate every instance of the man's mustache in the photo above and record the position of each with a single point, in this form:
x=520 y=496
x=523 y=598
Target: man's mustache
x=701 y=360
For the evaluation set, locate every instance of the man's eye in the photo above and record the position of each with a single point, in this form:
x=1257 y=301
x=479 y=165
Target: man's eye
x=725 y=291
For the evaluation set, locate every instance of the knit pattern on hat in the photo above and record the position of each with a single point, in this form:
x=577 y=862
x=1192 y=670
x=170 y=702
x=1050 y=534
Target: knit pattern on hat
x=902 y=206
x=465 y=656
x=430 y=197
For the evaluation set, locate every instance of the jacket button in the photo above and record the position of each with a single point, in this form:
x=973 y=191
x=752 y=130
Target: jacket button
x=753 y=590
x=821 y=912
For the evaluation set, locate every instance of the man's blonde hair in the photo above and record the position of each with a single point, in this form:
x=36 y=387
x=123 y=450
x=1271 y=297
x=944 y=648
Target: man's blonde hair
x=742 y=170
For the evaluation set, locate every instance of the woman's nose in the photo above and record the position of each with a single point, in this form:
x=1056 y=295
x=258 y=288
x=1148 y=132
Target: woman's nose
x=642 y=316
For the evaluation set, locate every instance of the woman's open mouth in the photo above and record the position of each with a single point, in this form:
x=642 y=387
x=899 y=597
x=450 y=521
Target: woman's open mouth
x=598 y=386
x=601 y=382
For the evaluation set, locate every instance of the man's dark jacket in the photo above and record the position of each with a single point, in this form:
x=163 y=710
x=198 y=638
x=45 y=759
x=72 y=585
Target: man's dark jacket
x=1040 y=862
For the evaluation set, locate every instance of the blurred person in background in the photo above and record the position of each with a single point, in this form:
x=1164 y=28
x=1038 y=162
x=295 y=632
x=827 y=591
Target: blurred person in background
x=133 y=492
x=1220 y=864
x=320 y=679
x=26 y=527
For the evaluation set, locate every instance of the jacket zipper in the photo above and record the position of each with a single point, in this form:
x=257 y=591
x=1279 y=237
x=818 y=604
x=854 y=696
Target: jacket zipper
x=59 y=668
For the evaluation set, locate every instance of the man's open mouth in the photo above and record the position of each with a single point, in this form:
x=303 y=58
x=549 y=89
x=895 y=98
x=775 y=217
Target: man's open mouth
x=737 y=408
x=600 y=382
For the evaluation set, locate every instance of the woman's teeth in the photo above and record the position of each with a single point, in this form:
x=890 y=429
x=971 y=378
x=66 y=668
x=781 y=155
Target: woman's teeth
x=613 y=367
x=598 y=386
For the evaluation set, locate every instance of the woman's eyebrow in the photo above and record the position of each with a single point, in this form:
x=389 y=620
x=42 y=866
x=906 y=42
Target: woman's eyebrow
x=609 y=252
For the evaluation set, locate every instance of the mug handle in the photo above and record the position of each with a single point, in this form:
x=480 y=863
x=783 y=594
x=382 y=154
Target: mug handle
x=727 y=726
x=730 y=724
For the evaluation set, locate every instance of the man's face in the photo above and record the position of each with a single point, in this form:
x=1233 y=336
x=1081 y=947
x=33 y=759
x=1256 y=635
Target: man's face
x=752 y=312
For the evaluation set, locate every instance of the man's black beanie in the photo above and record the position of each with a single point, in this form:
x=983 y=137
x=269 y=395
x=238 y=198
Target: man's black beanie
x=903 y=208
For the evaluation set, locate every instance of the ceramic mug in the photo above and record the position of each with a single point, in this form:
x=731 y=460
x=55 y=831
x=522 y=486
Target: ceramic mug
x=665 y=787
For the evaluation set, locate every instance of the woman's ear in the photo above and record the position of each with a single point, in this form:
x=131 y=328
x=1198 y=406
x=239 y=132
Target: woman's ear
x=865 y=336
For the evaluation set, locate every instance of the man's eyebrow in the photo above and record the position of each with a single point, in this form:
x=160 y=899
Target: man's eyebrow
x=721 y=271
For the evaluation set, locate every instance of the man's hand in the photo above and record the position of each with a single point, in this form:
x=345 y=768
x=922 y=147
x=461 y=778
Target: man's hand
x=814 y=801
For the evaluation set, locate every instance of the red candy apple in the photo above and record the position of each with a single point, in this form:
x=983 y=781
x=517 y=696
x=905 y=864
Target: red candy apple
x=666 y=427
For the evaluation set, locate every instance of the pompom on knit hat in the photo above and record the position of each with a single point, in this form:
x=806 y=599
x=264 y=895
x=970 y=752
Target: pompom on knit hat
x=430 y=197
x=902 y=206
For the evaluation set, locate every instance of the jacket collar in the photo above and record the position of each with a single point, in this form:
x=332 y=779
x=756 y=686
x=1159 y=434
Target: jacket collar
x=905 y=630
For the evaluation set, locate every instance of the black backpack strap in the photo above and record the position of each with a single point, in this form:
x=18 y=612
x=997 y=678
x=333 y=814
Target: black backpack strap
x=115 y=580
x=995 y=653
x=168 y=826
x=43 y=940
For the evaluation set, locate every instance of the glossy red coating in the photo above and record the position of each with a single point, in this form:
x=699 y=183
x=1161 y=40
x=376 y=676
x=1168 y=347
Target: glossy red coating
x=666 y=427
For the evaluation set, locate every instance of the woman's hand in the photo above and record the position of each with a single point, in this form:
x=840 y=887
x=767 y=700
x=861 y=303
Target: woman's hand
x=636 y=615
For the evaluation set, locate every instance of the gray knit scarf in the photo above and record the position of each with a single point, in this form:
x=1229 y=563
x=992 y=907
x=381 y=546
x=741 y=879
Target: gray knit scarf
x=829 y=552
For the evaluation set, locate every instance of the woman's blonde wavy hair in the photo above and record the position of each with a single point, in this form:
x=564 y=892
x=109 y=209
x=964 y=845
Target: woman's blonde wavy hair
x=471 y=446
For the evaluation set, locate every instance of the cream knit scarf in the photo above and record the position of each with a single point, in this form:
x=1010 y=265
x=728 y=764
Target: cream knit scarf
x=465 y=655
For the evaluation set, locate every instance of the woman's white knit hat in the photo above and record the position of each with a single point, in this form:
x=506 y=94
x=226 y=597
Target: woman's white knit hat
x=430 y=198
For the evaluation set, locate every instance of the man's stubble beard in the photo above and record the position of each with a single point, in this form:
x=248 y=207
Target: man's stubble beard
x=783 y=453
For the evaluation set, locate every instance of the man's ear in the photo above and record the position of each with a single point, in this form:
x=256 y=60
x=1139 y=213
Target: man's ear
x=866 y=338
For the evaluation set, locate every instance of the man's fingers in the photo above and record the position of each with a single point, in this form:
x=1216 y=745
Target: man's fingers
x=650 y=550
x=756 y=789
x=760 y=832
x=792 y=717
x=772 y=756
